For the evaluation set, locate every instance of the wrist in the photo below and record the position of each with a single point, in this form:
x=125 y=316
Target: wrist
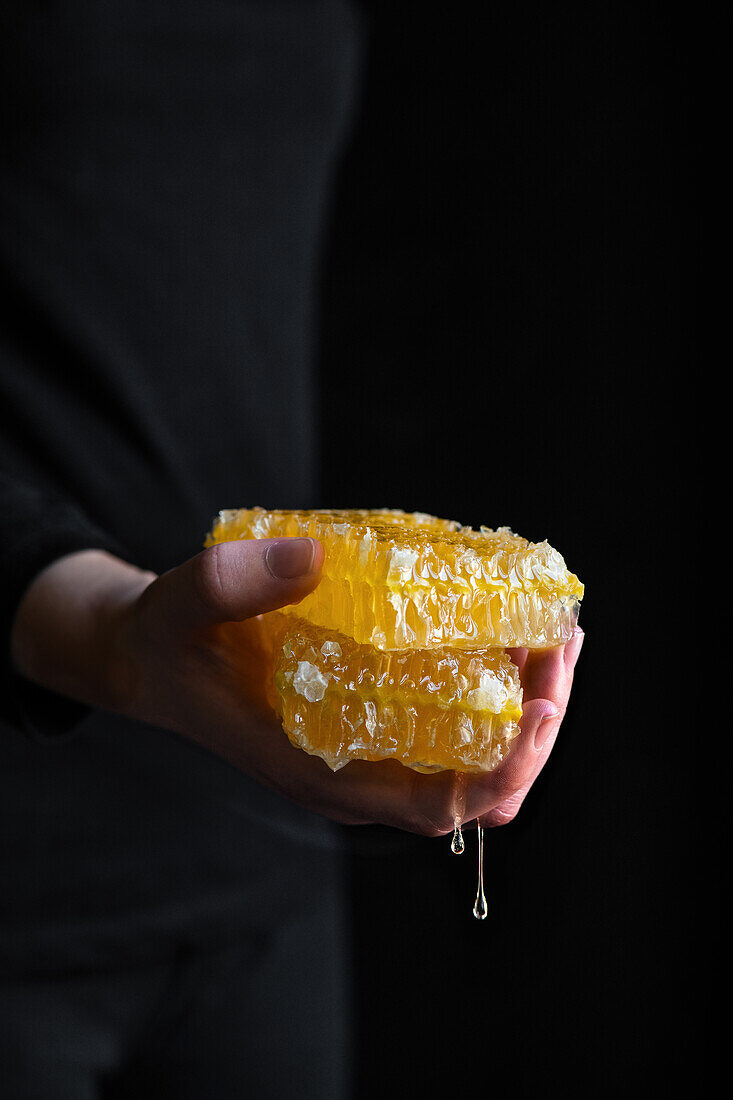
x=68 y=628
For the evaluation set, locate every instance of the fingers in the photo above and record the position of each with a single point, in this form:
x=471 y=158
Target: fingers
x=394 y=795
x=232 y=581
x=548 y=673
x=365 y=792
x=507 y=785
x=547 y=677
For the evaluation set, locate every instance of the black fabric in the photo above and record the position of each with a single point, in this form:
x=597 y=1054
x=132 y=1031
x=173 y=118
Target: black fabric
x=37 y=529
x=164 y=181
x=204 y=1021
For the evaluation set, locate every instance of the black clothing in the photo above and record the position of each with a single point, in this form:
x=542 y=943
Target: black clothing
x=163 y=185
x=203 y=1024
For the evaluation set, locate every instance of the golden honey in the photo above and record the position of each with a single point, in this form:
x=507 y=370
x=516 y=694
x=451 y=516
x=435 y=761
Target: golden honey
x=399 y=651
x=400 y=580
x=429 y=709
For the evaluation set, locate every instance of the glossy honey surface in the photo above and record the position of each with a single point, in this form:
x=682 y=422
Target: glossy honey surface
x=429 y=709
x=402 y=580
x=399 y=653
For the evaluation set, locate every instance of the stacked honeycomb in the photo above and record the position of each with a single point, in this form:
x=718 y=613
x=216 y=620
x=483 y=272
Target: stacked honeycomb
x=399 y=651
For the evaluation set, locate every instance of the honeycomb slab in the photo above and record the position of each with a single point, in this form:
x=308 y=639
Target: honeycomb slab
x=429 y=709
x=406 y=580
x=399 y=653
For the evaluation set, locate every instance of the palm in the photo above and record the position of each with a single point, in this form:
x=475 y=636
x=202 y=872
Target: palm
x=386 y=792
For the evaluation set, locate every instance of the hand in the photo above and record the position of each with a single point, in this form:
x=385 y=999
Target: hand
x=547 y=676
x=427 y=803
x=175 y=651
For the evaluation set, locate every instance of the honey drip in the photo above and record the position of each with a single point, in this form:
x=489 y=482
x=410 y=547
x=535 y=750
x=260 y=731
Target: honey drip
x=399 y=651
x=480 y=909
x=457 y=845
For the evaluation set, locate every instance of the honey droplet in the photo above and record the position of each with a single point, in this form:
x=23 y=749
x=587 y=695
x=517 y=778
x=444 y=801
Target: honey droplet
x=457 y=845
x=480 y=909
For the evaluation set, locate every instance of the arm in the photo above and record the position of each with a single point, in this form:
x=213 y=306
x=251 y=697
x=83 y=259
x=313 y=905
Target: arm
x=163 y=650
x=38 y=526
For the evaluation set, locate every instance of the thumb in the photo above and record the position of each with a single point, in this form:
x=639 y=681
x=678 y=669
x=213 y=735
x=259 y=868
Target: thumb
x=232 y=581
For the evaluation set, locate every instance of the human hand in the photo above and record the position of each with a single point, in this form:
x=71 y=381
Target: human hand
x=178 y=651
x=547 y=677
x=429 y=804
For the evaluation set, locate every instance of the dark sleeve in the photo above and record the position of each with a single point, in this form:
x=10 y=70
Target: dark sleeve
x=37 y=528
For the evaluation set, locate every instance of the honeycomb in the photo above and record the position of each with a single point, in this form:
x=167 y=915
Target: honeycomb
x=399 y=651
x=401 y=580
x=430 y=709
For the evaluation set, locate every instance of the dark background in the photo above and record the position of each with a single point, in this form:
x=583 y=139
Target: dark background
x=506 y=317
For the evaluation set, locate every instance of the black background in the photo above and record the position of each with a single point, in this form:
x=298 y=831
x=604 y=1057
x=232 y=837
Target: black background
x=506 y=318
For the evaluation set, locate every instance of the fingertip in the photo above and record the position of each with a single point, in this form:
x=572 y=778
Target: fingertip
x=545 y=722
x=319 y=555
x=572 y=648
x=545 y=674
x=535 y=711
x=519 y=655
x=301 y=571
x=288 y=559
x=237 y=579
